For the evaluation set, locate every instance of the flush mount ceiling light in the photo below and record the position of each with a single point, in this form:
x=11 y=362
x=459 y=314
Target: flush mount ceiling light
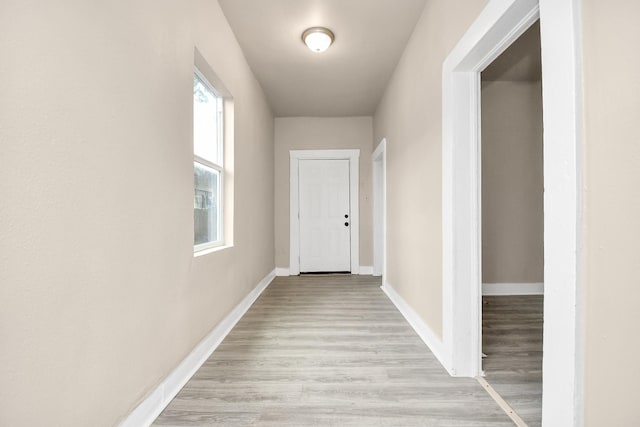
x=318 y=39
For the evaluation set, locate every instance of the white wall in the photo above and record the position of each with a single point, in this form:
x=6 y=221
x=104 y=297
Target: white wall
x=612 y=211
x=410 y=118
x=314 y=133
x=512 y=182
x=102 y=296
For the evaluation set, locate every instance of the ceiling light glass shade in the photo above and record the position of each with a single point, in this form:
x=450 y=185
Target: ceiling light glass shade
x=318 y=39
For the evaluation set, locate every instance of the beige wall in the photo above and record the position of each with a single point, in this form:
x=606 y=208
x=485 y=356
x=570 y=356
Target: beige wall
x=313 y=133
x=512 y=182
x=410 y=117
x=101 y=294
x=612 y=211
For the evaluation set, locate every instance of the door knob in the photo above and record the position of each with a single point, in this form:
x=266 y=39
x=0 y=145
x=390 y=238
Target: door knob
x=346 y=224
x=346 y=216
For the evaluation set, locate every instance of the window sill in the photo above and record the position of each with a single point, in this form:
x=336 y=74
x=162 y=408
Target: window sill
x=207 y=251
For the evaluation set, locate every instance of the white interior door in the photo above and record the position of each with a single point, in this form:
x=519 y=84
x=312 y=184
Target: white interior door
x=325 y=220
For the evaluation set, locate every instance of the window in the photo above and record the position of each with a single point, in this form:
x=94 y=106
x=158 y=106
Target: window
x=208 y=169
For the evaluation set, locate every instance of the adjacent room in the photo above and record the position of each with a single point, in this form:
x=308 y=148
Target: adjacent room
x=513 y=225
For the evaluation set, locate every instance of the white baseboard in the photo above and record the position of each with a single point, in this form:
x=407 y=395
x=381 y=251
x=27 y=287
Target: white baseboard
x=280 y=272
x=495 y=289
x=159 y=398
x=366 y=270
x=432 y=341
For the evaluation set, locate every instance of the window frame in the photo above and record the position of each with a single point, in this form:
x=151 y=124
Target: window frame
x=219 y=167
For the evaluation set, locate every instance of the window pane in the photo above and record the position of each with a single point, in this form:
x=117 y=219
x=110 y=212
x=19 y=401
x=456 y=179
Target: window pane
x=206 y=114
x=206 y=204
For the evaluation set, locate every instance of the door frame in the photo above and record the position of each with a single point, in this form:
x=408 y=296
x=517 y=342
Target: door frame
x=495 y=29
x=379 y=169
x=294 y=202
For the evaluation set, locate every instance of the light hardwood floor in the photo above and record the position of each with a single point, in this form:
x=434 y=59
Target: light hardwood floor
x=512 y=341
x=327 y=351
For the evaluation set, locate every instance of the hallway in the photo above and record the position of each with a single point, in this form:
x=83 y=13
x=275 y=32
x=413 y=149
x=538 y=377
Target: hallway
x=148 y=200
x=327 y=350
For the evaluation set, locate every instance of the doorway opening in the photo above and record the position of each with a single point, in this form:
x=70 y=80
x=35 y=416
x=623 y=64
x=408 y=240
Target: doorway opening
x=512 y=198
x=495 y=29
x=379 y=168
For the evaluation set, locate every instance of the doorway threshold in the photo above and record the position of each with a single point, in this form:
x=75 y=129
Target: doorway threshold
x=326 y=273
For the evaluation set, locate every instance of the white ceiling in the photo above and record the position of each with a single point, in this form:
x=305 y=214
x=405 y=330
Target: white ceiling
x=346 y=80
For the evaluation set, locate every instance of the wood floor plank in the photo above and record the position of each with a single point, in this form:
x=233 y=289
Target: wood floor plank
x=512 y=341
x=325 y=351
